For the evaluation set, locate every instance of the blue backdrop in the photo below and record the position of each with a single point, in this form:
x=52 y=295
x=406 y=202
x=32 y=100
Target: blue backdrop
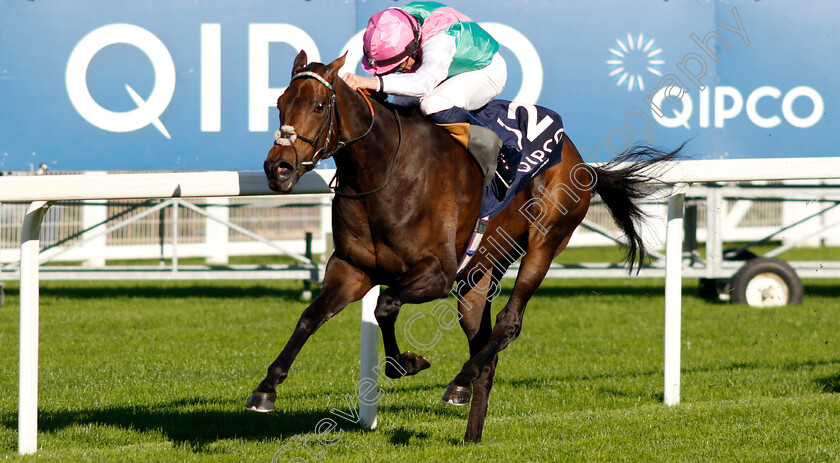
x=189 y=85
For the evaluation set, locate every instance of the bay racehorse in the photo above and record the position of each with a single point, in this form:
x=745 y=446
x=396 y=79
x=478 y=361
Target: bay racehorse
x=407 y=200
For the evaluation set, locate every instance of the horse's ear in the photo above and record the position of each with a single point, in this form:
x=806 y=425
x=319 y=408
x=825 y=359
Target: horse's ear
x=332 y=68
x=300 y=63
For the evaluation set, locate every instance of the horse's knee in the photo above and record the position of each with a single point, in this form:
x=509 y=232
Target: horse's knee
x=509 y=328
x=306 y=324
x=514 y=329
x=387 y=307
x=517 y=330
x=508 y=316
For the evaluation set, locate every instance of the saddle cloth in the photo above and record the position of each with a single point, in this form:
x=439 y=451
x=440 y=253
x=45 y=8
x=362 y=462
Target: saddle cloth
x=535 y=131
x=538 y=133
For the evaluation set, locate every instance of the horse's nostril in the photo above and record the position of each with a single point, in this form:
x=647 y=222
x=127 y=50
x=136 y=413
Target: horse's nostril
x=284 y=170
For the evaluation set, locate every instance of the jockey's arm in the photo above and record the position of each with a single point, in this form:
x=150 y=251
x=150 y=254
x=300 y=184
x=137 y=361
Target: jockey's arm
x=437 y=55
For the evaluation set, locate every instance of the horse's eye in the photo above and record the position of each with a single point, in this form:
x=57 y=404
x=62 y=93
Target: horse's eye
x=320 y=107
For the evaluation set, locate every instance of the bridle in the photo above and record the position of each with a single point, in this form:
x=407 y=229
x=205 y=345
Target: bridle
x=332 y=124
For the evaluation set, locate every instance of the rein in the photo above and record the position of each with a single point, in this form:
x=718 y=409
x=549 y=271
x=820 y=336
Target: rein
x=286 y=136
x=390 y=173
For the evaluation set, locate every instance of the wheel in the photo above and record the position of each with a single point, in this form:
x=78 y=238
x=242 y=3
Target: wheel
x=719 y=289
x=766 y=282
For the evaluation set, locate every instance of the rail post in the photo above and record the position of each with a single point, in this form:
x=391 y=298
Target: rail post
x=673 y=293
x=30 y=245
x=369 y=355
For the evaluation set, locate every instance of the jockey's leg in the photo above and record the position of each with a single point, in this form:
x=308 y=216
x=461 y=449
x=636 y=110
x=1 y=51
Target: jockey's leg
x=450 y=103
x=487 y=149
x=454 y=115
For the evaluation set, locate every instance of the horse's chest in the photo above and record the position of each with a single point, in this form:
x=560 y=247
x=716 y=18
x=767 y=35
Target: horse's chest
x=353 y=241
x=374 y=256
x=389 y=245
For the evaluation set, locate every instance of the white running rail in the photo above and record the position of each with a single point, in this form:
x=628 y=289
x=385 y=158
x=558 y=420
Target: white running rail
x=43 y=190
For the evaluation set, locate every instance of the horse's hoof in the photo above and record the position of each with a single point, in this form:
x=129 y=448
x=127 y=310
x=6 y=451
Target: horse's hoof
x=261 y=402
x=457 y=395
x=409 y=364
x=414 y=363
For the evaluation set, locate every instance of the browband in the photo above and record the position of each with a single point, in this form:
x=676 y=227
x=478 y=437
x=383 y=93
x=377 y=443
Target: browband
x=314 y=76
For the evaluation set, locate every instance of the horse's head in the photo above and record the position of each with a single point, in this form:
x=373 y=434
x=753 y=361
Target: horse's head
x=308 y=123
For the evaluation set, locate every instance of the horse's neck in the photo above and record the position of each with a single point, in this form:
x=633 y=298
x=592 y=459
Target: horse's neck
x=366 y=164
x=398 y=154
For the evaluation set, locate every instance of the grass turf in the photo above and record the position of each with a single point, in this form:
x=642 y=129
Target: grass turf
x=160 y=371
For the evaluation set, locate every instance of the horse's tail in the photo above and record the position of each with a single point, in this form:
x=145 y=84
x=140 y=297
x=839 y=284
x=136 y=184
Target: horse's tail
x=619 y=184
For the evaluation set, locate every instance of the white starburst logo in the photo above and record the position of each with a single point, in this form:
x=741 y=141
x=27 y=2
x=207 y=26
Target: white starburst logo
x=633 y=60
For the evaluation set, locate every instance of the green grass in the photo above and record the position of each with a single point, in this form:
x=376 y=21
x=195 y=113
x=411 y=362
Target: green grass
x=160 y=371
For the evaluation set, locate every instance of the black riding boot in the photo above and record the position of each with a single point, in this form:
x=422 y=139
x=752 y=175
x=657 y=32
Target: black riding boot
x=506 y=168
x=486 y=148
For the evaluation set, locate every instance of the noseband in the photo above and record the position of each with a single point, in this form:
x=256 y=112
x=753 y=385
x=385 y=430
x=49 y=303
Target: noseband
x=286 y=135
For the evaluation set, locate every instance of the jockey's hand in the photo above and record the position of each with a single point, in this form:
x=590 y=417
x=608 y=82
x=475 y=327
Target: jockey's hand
x=356 y=81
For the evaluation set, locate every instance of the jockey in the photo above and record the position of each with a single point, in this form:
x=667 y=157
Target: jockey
x=428 y=52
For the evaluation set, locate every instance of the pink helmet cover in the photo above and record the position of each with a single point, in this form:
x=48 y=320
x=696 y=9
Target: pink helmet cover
x=387 y=35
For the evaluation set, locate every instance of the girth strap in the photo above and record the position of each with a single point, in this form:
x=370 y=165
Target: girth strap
x=475 y=240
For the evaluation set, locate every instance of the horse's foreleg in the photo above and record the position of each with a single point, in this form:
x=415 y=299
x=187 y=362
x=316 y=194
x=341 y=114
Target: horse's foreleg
x=424 y=282
x=343 y=284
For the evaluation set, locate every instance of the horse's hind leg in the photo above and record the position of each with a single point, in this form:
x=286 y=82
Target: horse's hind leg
x=509 y=321
x=476 y=325
x=343 y=284
x=480 y=401
x=424 y=282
